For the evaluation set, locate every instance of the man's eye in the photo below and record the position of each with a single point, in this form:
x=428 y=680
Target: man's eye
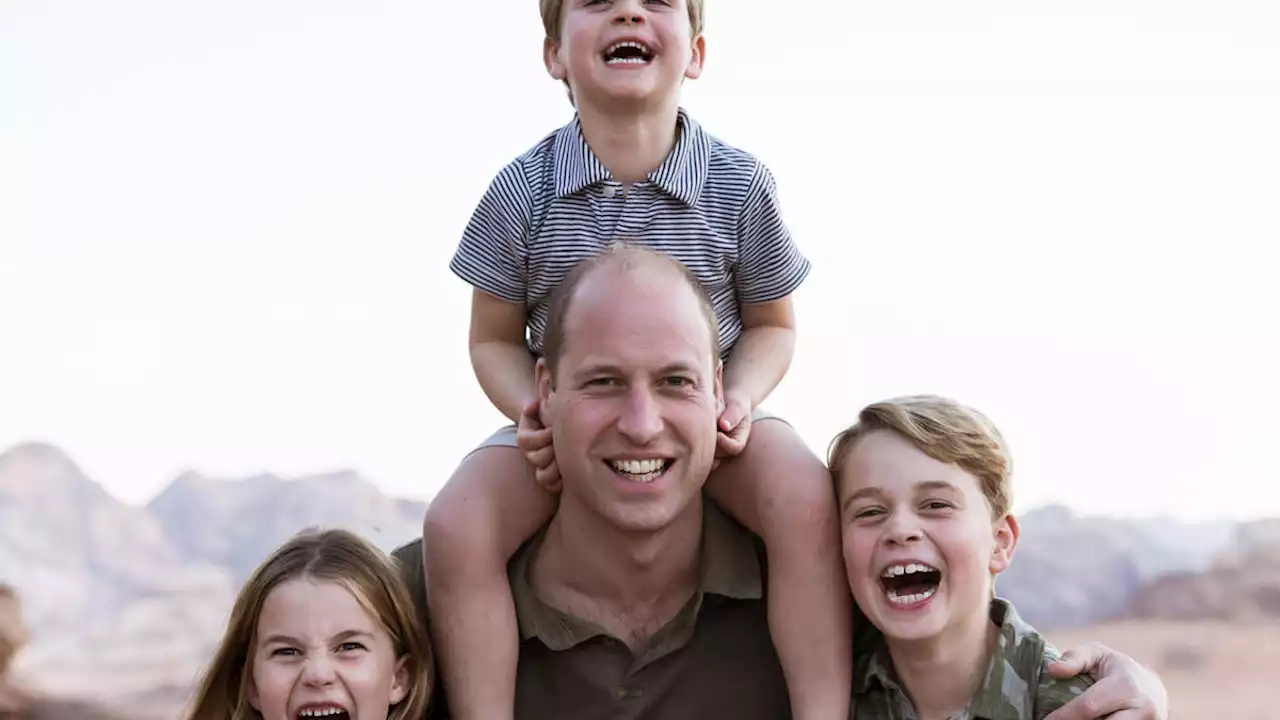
x=676 y=381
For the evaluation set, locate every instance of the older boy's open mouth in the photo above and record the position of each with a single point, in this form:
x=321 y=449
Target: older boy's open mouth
x=910 y=583
x=641 y=471
x=628 y=53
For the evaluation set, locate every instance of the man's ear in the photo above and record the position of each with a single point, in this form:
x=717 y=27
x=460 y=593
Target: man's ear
x=719 y=387
x=1006 y=536
x=551 y=58
x=697 y=58
x=544 y=381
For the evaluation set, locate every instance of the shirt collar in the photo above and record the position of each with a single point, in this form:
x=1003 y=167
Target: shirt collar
x=874 y=668
x=728 y=567
x=682 y=174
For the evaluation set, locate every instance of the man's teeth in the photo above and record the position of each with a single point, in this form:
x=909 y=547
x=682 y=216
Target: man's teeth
x=907 y=569
x=897 y=599
x=322 y=712
x=640 y=470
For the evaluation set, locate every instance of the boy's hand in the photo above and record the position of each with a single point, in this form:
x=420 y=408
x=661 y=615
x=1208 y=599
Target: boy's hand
x=734 y=425
x=1124 y=689
x=534 y=440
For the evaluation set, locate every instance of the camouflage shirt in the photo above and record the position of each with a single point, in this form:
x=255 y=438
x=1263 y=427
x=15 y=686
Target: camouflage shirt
x=1017 y=685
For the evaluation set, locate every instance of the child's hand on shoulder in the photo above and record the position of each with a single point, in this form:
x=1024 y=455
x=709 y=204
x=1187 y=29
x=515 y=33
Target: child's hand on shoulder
x=734 y=425
x=534 y=440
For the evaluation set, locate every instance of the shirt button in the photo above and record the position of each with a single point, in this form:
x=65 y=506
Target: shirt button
x=609 y=191
x=630 y=693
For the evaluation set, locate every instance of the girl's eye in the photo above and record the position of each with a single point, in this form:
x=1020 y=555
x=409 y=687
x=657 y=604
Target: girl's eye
x=350 y=647
x=286 y=651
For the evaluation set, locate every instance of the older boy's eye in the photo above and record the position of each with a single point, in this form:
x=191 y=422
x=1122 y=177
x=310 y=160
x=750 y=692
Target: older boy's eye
x=868 y=513
x=938 y=505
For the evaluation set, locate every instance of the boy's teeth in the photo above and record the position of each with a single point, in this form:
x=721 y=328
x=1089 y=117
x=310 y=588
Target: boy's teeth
x=896 y=570
x=897 y=599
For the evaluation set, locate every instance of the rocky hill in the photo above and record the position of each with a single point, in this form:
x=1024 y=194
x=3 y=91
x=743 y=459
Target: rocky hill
x=1071 y=570
x=125 y=603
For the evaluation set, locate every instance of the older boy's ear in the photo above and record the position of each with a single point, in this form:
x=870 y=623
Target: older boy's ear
x=551 y=57
x=697 y=58
x=1006 y=536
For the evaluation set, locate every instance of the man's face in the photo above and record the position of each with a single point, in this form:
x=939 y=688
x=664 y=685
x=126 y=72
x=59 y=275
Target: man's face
x=634 y=403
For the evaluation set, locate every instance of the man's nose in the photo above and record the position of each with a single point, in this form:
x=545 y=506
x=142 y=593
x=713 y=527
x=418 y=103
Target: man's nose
x=318 y=671
x=641 y=418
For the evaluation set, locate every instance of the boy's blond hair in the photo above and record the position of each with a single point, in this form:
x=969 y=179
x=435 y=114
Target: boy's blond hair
x=944 y=430
x=553 y=11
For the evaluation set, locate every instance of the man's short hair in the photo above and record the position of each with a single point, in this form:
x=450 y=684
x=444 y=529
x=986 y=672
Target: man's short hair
x=620 y=257
x=944 y=430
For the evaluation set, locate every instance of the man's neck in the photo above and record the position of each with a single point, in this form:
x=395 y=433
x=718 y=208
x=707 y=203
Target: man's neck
x=630 y=144
x=942 y=673
x=629 y=584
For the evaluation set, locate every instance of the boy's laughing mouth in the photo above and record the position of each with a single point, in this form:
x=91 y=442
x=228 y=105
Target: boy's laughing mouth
x=909 y=583
x=628 y=52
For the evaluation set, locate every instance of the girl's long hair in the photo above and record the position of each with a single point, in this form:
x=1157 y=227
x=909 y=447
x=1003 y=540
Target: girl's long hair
x=334 y=555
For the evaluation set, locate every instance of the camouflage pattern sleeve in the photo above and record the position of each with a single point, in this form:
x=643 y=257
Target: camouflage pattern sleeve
x=1053 y=693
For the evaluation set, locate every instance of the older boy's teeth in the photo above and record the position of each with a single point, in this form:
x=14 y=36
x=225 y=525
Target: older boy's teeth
x=912 y=599
x=907 y=569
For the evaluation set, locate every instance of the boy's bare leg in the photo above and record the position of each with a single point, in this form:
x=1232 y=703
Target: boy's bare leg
x=473 y=526
x=783 y=492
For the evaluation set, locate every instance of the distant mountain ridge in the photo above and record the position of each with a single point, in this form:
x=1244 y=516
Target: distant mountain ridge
x=124 y=600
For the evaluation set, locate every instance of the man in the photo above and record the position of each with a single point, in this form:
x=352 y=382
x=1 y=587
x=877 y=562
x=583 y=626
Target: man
x=609 y=594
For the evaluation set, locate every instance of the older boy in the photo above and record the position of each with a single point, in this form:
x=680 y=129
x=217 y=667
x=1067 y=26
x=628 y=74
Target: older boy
x=924 y=491
x=632 y=166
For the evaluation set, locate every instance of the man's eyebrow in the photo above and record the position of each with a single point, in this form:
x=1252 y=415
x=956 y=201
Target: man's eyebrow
x=863 y=493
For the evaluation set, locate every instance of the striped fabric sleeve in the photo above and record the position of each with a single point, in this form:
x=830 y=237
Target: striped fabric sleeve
x=493 y=251
x=770 y=266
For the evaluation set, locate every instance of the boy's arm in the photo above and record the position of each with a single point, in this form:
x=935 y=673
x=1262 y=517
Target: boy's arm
x=762 y=354
x=499 y=355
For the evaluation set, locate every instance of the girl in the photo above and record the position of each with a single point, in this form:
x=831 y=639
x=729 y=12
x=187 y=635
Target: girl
x=323 y=628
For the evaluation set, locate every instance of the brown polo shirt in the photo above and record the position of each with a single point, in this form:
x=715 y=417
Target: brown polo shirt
x=715 y=659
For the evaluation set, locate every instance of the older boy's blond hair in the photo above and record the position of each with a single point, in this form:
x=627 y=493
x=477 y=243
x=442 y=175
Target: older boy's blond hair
x=944 y=430
x=553 y=12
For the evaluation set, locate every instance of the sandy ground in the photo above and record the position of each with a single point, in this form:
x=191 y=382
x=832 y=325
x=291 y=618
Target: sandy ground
x=1213 y=670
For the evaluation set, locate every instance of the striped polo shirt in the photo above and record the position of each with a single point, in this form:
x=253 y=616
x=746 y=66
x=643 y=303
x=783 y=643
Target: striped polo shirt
x=710 y=205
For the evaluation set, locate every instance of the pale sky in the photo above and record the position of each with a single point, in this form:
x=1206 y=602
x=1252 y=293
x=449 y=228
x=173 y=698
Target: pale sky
x=225 y=228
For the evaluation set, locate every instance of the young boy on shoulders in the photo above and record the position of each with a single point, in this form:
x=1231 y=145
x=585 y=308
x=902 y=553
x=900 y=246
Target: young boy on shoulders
x=924 y=490
x=632 y=166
